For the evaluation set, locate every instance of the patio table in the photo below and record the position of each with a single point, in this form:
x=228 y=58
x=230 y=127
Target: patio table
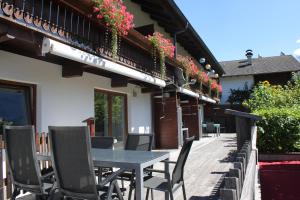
x=125 y=159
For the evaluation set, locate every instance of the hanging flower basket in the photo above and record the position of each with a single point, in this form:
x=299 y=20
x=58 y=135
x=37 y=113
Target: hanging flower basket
x=219 y=90
x=191 y=69
x=114 y=16
x=202 y=78
x=163 y=47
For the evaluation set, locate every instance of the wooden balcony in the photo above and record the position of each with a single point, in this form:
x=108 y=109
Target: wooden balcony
x=71 y=23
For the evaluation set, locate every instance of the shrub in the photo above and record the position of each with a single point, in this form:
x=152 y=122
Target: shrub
x=279 y=130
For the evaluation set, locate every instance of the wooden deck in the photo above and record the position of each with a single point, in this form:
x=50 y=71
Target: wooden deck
x=208 y=161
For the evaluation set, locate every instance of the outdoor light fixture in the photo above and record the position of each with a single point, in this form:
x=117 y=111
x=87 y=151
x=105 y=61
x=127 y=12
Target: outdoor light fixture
x=207 y=66
x=216 y=75
x=202 y=60
x=59 y=49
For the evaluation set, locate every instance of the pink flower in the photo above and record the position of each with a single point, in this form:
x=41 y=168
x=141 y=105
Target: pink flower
x=162 y=44
x=113 y=14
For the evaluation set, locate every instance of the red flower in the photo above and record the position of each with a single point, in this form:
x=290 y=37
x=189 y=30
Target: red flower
x=189 y=65
x=113 y=15
x=220 y=89
x=214 y=85
x=162 y=44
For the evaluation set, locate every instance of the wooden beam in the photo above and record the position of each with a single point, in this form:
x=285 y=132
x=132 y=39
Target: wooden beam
x=72 y=69
x=150 y=90
x=118 y=81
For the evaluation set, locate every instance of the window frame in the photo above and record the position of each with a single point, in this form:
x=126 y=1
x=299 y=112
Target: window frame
x=32 y=95
x=110 y=94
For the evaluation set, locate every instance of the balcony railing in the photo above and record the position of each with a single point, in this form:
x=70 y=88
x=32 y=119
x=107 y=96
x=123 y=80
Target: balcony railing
x=62 y=22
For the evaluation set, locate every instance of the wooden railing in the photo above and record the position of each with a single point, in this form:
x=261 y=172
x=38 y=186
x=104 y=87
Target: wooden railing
x=240 y=180
x=60 y=21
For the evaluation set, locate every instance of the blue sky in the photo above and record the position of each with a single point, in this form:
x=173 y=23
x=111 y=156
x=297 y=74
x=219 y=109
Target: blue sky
x=229 y=27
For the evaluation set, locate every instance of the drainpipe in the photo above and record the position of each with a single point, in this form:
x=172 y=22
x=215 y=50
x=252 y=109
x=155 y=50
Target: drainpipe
x=175 y=37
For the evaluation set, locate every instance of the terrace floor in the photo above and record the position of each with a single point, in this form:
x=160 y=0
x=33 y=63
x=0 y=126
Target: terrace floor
x=208 y=162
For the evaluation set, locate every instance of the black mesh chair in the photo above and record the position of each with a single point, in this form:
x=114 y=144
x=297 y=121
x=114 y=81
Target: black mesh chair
x=101 y=142
x=136 y=142
x=177 y=181
x=23 y=163
x=73 y=165
x=139 y=142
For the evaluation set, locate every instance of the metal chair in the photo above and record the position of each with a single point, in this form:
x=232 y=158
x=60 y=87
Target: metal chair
x=73 y=165
x=22 y=161
x=210 y=128
x=177 y=181
x=135 y=142
x=102 y=142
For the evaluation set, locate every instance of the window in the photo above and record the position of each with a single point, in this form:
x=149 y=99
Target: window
x=111 y=114
x=17 y=103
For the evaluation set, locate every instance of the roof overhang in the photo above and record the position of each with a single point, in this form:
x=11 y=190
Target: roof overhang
x=69 y=52
x=169 y=16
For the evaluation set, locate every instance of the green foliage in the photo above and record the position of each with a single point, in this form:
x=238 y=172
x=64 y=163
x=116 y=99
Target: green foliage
x=238 y=96
x=265 y=95
x=279 y=131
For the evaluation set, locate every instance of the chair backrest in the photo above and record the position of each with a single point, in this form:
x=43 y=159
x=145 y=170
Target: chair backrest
x=21 y=157
x=139 y=142
x=178 y=171
x=72 y=161
x=210 y=127
x=101 y=142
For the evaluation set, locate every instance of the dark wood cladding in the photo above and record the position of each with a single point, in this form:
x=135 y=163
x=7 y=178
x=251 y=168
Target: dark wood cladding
x=274 y=79
x=63 y=21
x=165 y=123
x=190 y=117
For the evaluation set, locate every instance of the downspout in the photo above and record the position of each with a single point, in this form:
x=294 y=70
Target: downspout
x=175 y=37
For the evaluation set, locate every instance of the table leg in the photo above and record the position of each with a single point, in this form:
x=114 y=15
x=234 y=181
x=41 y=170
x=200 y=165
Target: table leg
x=139 y=194
x=167 y=195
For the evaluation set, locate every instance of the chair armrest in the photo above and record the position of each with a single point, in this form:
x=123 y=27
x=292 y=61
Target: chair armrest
x=111 y=177
x=47 y=175
x=169 y=161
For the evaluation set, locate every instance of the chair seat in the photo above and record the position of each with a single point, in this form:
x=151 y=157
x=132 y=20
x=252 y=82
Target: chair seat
x=47 y=187
x=156 y=183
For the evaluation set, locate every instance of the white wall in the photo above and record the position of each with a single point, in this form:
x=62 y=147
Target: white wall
x=68 y=101
x=235 y=82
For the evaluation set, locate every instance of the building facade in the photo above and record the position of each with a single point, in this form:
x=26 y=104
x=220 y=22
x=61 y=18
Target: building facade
x=57 y=69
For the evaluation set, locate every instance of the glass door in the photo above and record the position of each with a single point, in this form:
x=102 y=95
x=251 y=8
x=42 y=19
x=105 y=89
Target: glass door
x=111 y=115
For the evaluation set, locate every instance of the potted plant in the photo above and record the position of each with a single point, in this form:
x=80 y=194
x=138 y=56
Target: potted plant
x=163 y=47
x=114 y=16
x=191 y=69
x=202 y=78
